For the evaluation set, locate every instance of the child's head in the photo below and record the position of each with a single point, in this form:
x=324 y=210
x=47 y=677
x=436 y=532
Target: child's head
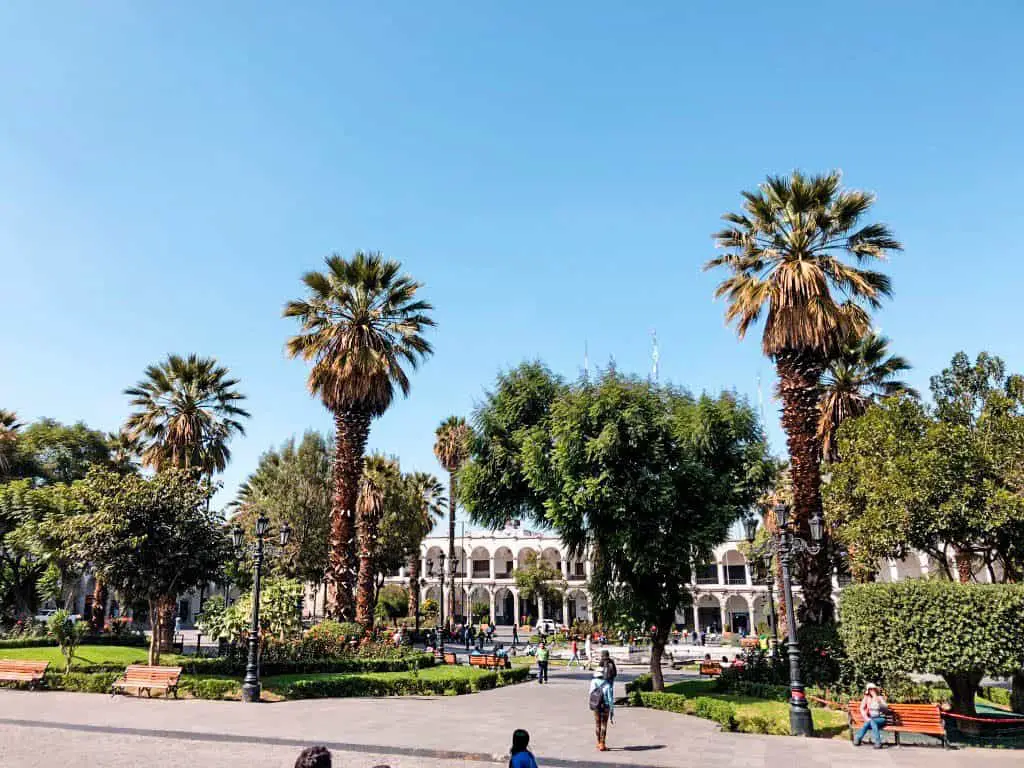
x=520 y=741
x=314 y=757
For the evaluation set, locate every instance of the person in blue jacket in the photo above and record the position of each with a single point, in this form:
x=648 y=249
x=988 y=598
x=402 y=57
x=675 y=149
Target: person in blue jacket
x=521 y=757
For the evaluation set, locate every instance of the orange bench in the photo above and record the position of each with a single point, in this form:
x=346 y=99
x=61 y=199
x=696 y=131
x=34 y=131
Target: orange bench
x=904 y=718
x=711 y=669
x=489 y=661
x=142 y=677
x=750 y=642
x=17 y=671
x=449 y=658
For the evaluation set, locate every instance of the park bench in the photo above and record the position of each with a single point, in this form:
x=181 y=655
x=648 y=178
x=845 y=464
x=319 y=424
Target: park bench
x=904 y=718
x=750 y=642
x=489 y=661
x=449 y=658
x=17 y=671
x=142 y=677
x=710 y=668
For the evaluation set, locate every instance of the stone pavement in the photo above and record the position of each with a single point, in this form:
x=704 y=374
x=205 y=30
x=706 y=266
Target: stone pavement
x=51 y=729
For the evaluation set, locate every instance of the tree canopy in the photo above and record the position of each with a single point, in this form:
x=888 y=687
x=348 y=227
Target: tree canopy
x=646 y=478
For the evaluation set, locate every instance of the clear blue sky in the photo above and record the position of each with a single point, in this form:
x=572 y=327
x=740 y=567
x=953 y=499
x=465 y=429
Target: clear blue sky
x=551 y=171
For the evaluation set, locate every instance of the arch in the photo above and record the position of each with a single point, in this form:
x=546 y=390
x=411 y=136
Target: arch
x=459 y=604
x=709 y=613
x=432 y=560
x=503 y=563
x=552 y=557
x=737 y=614
x=432 y=593
x=762 y=614
x=460 y=556
x=504 y=606
x=525 y=556
x=480 y=602
x=578 y=603
x=481 y=560
x=734 y=567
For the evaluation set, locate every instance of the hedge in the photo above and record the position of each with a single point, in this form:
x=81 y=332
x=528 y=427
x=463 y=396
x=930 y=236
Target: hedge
x=209 y=688
x=130 y=641
x=755 y=690
x=342 y=687
x=642 y=683
x=353 y=664
x=669 y=702
x=999 y=696
x=722 y=712
x=959 y=631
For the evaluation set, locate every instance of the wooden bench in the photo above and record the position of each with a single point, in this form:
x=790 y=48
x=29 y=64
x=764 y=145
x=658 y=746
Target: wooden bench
x=904 y=718
x=710 y=668
x=750 y=642
x=142 y=677
x=489 y=661
x=17 y=671
x=449 y=658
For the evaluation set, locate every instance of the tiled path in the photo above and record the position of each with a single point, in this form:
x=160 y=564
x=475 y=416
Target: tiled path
x=57 y=729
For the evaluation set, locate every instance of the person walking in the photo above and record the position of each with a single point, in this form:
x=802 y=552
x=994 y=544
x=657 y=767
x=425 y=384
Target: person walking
x=588 y=650
x=519 y=755
x=515 y=635
x=608 y=668
x=542 y=663
x=602 y=704
x=575 y=658
x=872 y=708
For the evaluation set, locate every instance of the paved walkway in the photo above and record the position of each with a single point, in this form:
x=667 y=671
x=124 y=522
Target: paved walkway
x=53 y=729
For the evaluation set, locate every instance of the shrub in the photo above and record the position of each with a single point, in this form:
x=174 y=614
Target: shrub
x=82 y=682
x=49 y=642
x=68 y=634
x=755 y=690
x=209 y=688
x=670 y=702
x=722 y=712
x=234 y=664
x=822 y=654
x=642 y=683
x=772 y=725
x=999 y=696
x=342 y=687
x=959 y=631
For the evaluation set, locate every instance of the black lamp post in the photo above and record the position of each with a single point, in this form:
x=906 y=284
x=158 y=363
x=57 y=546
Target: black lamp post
x=440 y=608
x=251 y=684
x=769 y=580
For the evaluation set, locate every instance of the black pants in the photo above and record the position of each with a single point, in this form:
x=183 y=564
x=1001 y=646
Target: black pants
x=542 y=671
x=601 y=724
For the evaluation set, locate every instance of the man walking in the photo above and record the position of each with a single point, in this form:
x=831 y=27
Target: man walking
x=602 y=704
x=515 y=635
x=542 y=663
x=575 y=658
x=588 y=650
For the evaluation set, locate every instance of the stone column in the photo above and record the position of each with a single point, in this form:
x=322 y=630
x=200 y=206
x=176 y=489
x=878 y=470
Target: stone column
x=540 y=608
x=515 y=607
x=721 y=572
x=693 y=574
x=492 y=571
x=401 y=573
x=696 y=617
x=588 y=568
x=725 y=617
x=565 y=569
x=894 y=570
x=746 y=574
x=491 y=593
x=565 y=609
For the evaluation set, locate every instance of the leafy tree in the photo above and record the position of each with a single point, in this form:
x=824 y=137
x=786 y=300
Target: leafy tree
x=538 y=579
x=646 y=478
x=292 y=484
x=280 y=613
x=378 y=474
x=68 y=634
x=149 y=537
x=451 y=447
x=58 y=453
x=392 y=603
x=186 y=411
x=426 y=507
x=862 y=373
x=9 y=433
x=361 y=325
x=942 y=481
x=788 y=254
x=959 y=631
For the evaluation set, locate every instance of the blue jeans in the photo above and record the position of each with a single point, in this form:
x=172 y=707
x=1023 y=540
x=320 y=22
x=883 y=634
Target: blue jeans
x=876 y=724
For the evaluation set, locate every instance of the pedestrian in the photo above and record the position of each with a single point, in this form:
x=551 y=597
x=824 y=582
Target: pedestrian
x=575 y=658
x=542 y=663
x=872 y=708
x=602 y=704
x=608 y=669
x=314 y=757
x=468 y=636
x=515 y=635
x=519 y=755
x=588 y=651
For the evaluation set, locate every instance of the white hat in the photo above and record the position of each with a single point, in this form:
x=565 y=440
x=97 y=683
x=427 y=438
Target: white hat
x=871 y=686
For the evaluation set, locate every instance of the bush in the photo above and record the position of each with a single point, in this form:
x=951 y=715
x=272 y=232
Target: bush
x=772 y=725
x=82 y=682
x=343 y=687
x=670 y=702
x=999 y=696
x=755 y=690
x=642 y=683
x=822 y=654
x=959 y=631
x=209 y=688
x=722 y=712
x=49 y=642
x=234 y=664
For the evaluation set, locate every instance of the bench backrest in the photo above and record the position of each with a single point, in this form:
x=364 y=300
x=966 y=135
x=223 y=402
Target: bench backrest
x=144 y=672
x=449 y=658
x=19 y=665
x=710 y=667
x=925 y=716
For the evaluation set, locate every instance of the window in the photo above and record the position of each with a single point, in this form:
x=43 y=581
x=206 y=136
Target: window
x=735 y=574
x=707 y=574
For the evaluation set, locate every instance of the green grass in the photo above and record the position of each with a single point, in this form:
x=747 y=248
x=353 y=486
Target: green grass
x=86 y=655
x=445 y=672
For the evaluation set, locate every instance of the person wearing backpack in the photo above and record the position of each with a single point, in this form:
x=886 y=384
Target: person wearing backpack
x=602 y=704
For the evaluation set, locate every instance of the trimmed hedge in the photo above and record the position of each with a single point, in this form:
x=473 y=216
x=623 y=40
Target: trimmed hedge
x=642 y=683
x=773 y=726
x=209 y=688
x=343 y=687
x=49 y=642
x=722 y=712
x=354 y=664
x=755 y=690
x=82 y=682
x=669 y=702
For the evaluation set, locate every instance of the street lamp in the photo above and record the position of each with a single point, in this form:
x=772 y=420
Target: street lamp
x=251 y=684
x=769 y=580
x=787 y=543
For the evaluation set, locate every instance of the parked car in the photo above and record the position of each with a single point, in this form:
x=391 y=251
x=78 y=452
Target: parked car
x=546 y=627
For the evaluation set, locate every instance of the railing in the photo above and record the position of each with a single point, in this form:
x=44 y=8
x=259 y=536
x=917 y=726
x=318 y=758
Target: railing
x=706 y=580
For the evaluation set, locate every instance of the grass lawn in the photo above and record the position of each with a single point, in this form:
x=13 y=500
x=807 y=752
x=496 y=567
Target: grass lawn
x=445 y=672
x=827 y=723
x=86 y=655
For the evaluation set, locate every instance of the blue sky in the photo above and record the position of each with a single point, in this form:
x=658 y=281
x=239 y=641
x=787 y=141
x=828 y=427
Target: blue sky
x=551 y=171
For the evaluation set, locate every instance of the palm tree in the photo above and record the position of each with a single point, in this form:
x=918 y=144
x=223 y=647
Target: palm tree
x=186 y=411
x=862 y=373
x=451 y=447
x=369 y=510
x=361 y=324
x=786 y=253
x=124 y=452
x=429 y=495
x=9 y=427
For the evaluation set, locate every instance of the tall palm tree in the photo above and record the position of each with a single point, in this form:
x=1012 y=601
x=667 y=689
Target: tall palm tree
x=9 y=428
x=862 y=373
x=361 y=325
x=428 y=494
x=124 y=452
x=369 y=510
x=186 y=411
x=451 y=447
x=788 y=254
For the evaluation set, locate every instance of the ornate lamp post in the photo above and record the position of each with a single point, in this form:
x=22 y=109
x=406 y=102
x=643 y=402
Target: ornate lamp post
x=251 y=684
x=769 y=580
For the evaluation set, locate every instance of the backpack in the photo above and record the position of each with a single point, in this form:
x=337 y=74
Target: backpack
x=597 y=702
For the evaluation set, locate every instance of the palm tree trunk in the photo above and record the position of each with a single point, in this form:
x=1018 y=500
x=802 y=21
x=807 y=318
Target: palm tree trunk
x=414 y=585
x=99 y=606
x=451 y=546
x=365 y=581
x=351 y=430
x=799 y=374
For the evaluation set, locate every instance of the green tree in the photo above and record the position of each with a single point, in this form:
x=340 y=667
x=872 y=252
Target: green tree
x=392 y=603
x=149 y=537
x=58 y=453
x=68 y=634
x=862 y=373
x=645 y=478
x=9 y=433
x=452 y=439
x=361 y=326
x=538 y=579
x=788 y=254
x=426 y=508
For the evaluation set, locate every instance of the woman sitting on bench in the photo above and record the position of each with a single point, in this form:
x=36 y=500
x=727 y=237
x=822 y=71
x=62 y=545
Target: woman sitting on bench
x=872 y=708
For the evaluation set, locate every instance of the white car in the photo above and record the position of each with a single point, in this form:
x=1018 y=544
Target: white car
x=546 y=627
